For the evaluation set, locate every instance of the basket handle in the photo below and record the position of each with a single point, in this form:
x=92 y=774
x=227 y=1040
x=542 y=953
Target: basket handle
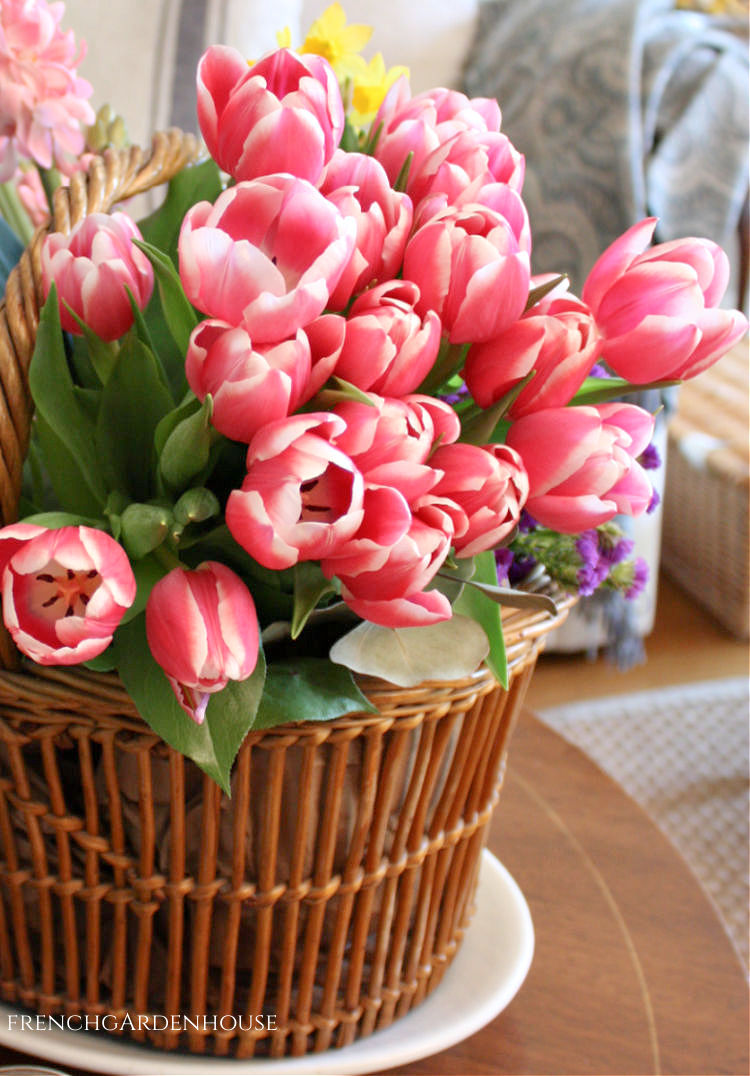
x=111 y=178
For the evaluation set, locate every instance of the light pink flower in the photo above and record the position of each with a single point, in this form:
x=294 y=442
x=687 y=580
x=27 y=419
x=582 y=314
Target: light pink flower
x=202 y=629
x=282 y=114
x=250 y=385
x=301 y=498
x=33 y=198
x=582 y=463
x=92 y=267
x=358 y=186
x=657 y=307
x=557 y=339
x=43 y=102
x=471 y=270
x=489 y=484
x=266 y=256
x=389 y=349
x=64 y=591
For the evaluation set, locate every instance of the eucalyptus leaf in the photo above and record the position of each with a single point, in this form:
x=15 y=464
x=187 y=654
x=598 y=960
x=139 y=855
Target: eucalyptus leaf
x=310 y=689
x=515 y=599
x=408 y=656
x=230 y=713
x=61 y=411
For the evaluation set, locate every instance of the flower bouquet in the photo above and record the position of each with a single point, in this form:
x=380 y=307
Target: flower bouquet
x=298 y=437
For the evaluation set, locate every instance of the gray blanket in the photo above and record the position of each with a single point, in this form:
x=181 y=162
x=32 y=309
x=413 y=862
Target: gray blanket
x=623 y=108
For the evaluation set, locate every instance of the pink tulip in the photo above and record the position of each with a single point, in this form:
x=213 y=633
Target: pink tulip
x=467 y=157
x=499 y=197
x=471 y=270
x=282 y=114
x=301 y=498
x=582 y=463
x=489 y=484
x=359 y=187
x=557 y=339
x=92 y=267
x=266 y=256
x=419 y=125
x=64 y=591
x=250 y=386
x=657 y=307
x=388 y=348
x=386 y=584
x=202 y=629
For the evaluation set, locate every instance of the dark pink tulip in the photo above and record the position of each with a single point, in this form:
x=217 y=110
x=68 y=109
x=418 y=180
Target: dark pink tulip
x=64 y=591
x=359 y=187
x=301 y=498
x=202 y=629
x=250 y=385
x=266 y=256
x=388 y=348
x=499 y=197
x=471 y=270
x=467 y=157
x=92 y=268
x=657 y=307
x=557 y=339
x=489 y=484
x=282 y=114
x=582 y=463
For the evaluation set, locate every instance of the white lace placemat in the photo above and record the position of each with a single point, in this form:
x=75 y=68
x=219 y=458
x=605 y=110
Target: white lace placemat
x=682 y=753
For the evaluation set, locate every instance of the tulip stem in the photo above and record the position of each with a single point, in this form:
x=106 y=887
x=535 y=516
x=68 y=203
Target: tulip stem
x=167 y=557
x=14 y=214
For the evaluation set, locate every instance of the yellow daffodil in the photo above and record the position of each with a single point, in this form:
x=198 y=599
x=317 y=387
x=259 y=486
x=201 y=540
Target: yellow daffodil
x=330 y=37
x=284 y=38
x=370 y=84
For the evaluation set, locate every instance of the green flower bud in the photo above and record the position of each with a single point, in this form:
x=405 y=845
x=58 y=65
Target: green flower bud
x=195 y=506
x=143 y=527
x=186 y=451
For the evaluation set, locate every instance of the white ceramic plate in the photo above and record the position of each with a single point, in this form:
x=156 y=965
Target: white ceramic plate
x=491 y=965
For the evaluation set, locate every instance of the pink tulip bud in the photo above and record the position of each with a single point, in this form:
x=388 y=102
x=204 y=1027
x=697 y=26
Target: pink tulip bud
x=92 y=268
x=250 y=386
x=265 y=256
x=389 y=349
x=467 y=157
x=582 y=463
x=202 y=629
x=282 y=114
x=64 y=591
x=657 y=307
x=557 y=339
x=359 y=187
x=489 y=484
x=471 y=270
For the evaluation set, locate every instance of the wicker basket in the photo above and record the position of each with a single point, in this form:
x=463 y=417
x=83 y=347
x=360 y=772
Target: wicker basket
x=325 y=899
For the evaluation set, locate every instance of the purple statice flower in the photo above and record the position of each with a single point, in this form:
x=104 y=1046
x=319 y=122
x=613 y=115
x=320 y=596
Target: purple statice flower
x=640 y=578
x=503 y=559
x=654 y=503
x=650 y=459
x=526 y=523
x=597 y=370
x=593 y=569
x=519 y=569
x=452 y=398
x=615 y=554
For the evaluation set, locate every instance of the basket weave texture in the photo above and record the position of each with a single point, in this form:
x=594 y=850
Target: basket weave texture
x=327 y=896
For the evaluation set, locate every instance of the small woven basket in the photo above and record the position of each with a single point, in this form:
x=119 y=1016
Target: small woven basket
x=319 y=903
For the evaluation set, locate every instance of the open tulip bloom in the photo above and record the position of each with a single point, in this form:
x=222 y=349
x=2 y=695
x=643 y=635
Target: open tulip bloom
x=347 y=398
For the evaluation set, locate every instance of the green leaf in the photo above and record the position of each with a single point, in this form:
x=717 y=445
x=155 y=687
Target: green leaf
x=66 y=418
x=230 y=713
x=195 y=183
x=187 y=449
x=596 y=390
x=179 y=314
x=188 y=406
x=310 y=689
x=147 y=571
x=310 y=585
x=538 y=293
x=473 y=603
x=483 y=428
x=409 y=656
x=64 y=472
x=144 y=527
x=105 y=662
x=133 y=401
x=55 y=520
x=102 y=353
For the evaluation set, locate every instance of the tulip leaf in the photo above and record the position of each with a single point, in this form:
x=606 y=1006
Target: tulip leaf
x=133 y=402
x=310 y=689
x=69 y=450
x=179 y=314
x=487 y=426
x=310 y=585
x=230 y=713
x=195 y=183
x=475 y=604
x=55 y=520
x=538 y=293
x=597 y=390
x=408 y=656
x=147 y=571
x=187 y=449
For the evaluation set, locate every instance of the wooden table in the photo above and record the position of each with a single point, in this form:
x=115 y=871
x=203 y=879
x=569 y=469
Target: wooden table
x=632 y=972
